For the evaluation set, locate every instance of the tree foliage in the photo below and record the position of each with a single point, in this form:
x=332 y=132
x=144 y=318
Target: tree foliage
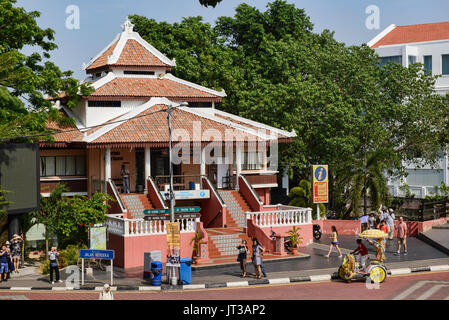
x=70 y=217
x=343 y=106
x=208 y=3
x=26 y=81
x=303 y=197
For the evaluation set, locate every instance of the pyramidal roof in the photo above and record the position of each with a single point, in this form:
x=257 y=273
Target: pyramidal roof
x=128 y=49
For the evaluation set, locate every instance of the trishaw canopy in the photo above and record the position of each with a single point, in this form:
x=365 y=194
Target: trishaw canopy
x=373 y=234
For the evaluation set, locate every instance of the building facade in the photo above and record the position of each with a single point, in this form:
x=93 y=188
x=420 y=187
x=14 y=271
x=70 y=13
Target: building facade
x=427 y=44
x=223 y=163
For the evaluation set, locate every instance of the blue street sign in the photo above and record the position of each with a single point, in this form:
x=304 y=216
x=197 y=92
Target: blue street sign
x=97 y=254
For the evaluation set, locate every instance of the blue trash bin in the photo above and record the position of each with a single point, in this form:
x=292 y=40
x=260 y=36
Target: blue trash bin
x=192 y=185
x=156 y=270
x=185 y=271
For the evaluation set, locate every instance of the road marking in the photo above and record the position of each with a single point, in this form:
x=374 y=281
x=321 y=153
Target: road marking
x=194 y=286
x=400 y=271
x=21 y=288
x=443 y=267
x=148 y=288
x=431 y=291
x=321 y=277
x=237 y=284
x=101 y=288
x=17 y=297
x=279 y=281
x=415 y=287
x=61 y=288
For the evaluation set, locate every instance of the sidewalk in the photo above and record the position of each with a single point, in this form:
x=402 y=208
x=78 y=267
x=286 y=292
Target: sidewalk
x=316 y=267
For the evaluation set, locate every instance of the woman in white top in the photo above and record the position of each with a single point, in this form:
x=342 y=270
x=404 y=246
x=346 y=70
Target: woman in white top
x=106 y=294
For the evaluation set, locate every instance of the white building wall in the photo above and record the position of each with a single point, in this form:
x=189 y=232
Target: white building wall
x=436 y=49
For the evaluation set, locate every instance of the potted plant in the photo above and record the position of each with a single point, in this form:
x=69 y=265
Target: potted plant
x=295 y=238
x=196 y=241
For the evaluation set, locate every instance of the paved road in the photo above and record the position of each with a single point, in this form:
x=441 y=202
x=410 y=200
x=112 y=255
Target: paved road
x=424 y=286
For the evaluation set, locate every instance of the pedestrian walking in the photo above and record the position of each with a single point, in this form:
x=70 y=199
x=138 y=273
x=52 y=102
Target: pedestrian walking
x=334 y=242
x=10 y=263
x=106 y=294
x=371 y=221
x=390 y=223
x=257 y=258
x=4 y=263
x=16 y=251
x=402 y=236
x=53 y=256
x=242 y=256
x=124 y=172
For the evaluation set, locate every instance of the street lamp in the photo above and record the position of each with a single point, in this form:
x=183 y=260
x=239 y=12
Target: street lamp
x=171 y=193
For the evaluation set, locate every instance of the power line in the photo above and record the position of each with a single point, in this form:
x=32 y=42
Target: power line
x=84 y=129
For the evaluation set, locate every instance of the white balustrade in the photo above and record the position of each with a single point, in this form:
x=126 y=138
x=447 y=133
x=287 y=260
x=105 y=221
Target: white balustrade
x=141 y=227
x=281 y=217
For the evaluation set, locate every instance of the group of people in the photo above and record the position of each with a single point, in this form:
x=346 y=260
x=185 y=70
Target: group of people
x=384 y=220
x=256 y=257
x=10 y=256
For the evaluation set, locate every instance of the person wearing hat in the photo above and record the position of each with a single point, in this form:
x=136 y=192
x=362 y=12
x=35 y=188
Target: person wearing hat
x=16 y=251
x=106 y=294
x=389 y=220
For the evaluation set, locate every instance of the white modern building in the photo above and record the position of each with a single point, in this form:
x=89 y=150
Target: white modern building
x=429 y=45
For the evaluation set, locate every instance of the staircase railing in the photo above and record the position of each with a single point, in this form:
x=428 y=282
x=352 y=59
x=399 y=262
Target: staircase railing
x=157 y=192
x=117 y=195
x=254 y=201
x=215 y=192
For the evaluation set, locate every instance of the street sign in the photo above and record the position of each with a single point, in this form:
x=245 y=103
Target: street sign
x=167 y=216
x=177 y=210
x=320 y=183
x=97 y=254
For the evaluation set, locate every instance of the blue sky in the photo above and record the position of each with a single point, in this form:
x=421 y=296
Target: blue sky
x=100 y=20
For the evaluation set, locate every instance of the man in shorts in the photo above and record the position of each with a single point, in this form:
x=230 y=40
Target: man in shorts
x=4 y=263
x=402 y=236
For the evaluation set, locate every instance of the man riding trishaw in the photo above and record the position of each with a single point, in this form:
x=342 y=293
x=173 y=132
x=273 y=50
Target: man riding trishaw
x=360 y=266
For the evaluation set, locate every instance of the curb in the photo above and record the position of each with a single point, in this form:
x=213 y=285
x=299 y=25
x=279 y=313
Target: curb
x=234 y=284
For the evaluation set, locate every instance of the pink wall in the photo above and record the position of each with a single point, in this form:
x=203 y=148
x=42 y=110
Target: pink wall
x=210 y=208
x=153 y=196
x=415 y=227
x=343 y=226
x=264 y=195
x=129 y=251
x=248 y=196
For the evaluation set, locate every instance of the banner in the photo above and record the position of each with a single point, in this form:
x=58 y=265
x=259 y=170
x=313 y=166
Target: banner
x=173 y=244
x=320 y=184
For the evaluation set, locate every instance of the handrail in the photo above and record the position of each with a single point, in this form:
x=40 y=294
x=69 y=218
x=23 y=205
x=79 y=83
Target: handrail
x=213 y=219
x=223 y=204
x=250 y=187
x=157 y=192
x=117 y=195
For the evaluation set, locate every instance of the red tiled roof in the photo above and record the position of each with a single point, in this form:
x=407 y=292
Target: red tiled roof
x=69 y=133
x=134 y=54
x=150 y=87
x=154 y=128
x=103 y=59
x=415 y=33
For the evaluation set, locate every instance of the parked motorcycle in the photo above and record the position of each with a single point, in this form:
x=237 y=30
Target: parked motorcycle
x=317 y=231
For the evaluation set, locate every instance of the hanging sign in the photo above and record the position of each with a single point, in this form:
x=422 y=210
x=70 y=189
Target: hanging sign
x=320 y=184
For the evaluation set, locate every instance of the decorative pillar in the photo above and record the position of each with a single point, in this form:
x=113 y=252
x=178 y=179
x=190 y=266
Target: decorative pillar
x=107 y=164
x=238 y=163
x=147 y=166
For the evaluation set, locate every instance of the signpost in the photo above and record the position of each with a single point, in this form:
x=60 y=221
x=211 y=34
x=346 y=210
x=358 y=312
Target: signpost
x=320 y=186
x=176 y=210
x=174 y=247
x=96 y=254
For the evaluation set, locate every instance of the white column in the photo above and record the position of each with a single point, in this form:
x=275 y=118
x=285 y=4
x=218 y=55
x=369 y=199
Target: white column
x=203 y=162
x=107 y=164
x=238 y=161
x=147 y=166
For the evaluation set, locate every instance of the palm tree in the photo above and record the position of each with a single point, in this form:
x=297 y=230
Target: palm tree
x=367 y=178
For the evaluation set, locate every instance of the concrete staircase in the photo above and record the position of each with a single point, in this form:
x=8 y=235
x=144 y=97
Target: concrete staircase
x=135 y=203
x=236 y=208
x=223 y=241
x=437 y=237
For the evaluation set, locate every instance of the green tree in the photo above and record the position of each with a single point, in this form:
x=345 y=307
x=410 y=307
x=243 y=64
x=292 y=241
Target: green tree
x=3 y=202
x=207 y=3
x=30 y=78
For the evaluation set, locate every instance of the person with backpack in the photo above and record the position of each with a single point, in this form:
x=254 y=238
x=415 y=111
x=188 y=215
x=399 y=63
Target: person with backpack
x=242 y=256
x=53 y=256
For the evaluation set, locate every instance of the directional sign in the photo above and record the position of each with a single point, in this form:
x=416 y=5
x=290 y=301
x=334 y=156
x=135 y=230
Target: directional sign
x=320 y=189
x=177 y=210
x=167 y=216
x=97 y=254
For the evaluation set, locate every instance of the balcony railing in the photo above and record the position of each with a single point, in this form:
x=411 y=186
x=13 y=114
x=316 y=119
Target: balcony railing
x=180 y=182
x=283 y=216
x=141 y=227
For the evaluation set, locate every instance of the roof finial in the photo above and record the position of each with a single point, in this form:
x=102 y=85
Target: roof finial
x=127 y=25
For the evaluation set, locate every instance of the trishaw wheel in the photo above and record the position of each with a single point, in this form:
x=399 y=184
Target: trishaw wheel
x=377 y=274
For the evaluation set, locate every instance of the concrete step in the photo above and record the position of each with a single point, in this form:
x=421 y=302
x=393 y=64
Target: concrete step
x=437 y=238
